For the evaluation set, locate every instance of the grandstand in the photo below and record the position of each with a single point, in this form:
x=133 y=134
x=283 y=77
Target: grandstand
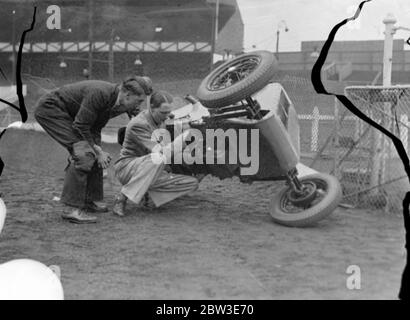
x=172 y=38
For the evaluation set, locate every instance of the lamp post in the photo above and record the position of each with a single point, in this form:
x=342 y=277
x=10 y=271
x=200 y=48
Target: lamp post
x=315 y=53
x=13 y=43
x=111 y=56
x=90 y=36
x=281 y=24
x=86 y=74
x=215 y=27
x=63 y=64
x=63 y=67
x=138 y=67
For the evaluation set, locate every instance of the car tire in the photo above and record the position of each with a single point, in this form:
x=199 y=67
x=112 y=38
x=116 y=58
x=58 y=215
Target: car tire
x=332 y=195
x=257 y=79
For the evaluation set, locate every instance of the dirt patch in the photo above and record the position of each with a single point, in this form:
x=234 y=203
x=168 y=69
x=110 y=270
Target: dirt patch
x=218 y=243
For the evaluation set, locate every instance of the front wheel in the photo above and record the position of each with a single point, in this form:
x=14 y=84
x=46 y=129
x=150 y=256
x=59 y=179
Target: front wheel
x=327 y=195
x=237 y=79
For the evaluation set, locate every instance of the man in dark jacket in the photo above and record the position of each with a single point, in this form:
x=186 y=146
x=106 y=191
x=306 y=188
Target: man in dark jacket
x=74 y=116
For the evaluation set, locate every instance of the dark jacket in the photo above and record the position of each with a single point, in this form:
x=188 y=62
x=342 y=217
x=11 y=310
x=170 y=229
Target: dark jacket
x=88 y=104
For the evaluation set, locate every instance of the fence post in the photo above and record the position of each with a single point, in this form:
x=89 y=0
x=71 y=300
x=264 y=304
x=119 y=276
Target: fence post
x=404 y=132
x=315 y=129
x=379 y=146
x=336 y=139
x=356 y=129
x=404 y=136
x=337 y=124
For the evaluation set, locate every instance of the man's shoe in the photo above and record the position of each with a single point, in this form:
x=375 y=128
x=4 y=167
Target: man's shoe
x=200 y=176
x=119 y=205
x=79 y=216
x=147 y=203
x=93 y=207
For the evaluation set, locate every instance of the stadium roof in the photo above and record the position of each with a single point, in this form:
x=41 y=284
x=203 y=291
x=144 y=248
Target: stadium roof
x=117 y=2
x=180 y=20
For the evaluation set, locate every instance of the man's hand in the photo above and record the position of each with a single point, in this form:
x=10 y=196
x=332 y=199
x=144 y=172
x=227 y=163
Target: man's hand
x=103 y=158
x=186 y=126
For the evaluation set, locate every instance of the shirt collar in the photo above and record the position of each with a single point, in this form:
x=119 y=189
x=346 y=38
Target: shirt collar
x=114 y=95
x=151 y=118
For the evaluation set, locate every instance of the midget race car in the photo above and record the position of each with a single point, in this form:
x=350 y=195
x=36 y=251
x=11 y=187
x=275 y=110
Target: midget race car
x=241 y=117
x=240 y=95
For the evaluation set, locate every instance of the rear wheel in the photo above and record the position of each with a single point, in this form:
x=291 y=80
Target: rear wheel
x=323 y=194
x=237 y=79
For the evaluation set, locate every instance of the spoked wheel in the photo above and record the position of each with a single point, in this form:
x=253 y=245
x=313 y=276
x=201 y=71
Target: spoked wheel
x=234 y=72
x=237 y=79
x=321 y=195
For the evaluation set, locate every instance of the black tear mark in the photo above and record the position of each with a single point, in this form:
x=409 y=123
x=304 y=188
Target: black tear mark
x=10 y=104
x=19 y=83
x=2 y=73
x=1 y=164
x=1 y=161
x=404 y=293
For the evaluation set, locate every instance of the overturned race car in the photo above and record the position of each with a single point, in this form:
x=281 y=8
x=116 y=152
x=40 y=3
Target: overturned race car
x=239 y=104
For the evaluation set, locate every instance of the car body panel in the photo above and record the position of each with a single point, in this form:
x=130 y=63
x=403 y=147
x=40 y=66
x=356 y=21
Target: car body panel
x=279 y=149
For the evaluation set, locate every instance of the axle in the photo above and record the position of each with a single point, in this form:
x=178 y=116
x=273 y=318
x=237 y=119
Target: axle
x=296 y=185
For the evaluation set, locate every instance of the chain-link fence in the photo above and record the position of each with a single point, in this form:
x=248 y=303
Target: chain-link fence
x=5 y=118
x=335 y=141
x=366 y=161
x=315 y=113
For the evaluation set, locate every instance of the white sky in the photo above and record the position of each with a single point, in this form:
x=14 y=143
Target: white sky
x=313 y=20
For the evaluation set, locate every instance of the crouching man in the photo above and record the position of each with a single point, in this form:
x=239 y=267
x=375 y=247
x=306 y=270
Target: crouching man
x=74 y=116
x=135 y=168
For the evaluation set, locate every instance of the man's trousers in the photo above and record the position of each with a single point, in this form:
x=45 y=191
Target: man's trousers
x=83 y=180
x=141 y=175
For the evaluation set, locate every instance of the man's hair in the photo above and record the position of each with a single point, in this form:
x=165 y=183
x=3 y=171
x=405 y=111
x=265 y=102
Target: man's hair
x=159 y=97
x=137 y=85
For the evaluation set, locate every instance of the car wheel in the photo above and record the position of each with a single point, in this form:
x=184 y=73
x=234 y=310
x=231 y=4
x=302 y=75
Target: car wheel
x=327 y=195
x=237 y=79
